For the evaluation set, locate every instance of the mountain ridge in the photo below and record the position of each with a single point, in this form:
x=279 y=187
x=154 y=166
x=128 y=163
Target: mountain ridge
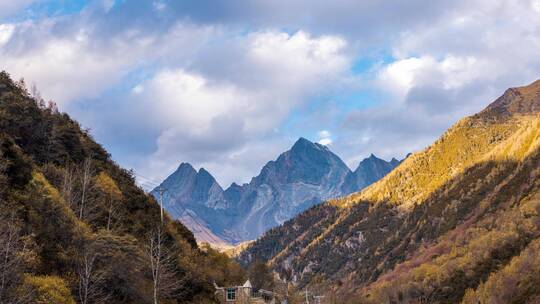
x=304 y=175
x=448 y=215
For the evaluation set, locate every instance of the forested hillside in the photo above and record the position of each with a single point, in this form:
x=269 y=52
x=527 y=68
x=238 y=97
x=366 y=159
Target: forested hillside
x=456 y=223
x=74 y=226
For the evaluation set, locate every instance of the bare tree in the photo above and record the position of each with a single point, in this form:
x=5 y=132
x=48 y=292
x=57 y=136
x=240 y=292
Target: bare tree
x=36 y=95
x=13 y=248
x=86 y=176
x=90 y=278
x=165 y=277
x=68 y=186
x=112 y=211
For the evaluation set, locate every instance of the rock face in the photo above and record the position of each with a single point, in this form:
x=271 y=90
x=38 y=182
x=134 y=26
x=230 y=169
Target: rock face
x=369 y=171
x=301 y=177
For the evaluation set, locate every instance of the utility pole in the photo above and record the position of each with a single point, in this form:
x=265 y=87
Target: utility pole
x=161 y=190
x=307 y=297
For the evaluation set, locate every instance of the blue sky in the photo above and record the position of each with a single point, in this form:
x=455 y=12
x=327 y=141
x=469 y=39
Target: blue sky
x=229 y=85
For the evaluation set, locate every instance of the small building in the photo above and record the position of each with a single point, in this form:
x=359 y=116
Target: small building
x=244 y=294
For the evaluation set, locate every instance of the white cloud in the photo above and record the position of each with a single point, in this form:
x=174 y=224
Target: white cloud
x=138 y=89
x=6 y=31
x=452 y=68
x=535 y=4
x=198 y=115
x=195 y=113
x=298 y=58
x=325 y=137
x=159 y=5
x=325 y=141
x=211 y=93
x=324 y=134
x=78 y=64
x=65 y=70
x=448 y=73
x=400 y=76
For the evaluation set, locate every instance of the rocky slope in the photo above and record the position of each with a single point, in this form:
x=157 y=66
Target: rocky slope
x=299 y=178
x=457 y=222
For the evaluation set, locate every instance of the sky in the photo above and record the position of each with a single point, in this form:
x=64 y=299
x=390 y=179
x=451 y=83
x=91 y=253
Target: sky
x=228 y=84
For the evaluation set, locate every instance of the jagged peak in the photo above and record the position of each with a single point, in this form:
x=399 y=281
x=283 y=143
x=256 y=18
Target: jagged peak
x=370 y=158
x=202 y=170
x=204 y=175
x=234 y=185
x=185 y=167
x=303 y=144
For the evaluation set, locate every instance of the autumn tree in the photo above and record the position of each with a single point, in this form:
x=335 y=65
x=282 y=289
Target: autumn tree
x=85 y=175
x=46 y=290
x=13 y=250
x=112 y=193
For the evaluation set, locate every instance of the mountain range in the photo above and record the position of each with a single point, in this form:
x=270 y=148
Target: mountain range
x=455 y=223
x=299 y=178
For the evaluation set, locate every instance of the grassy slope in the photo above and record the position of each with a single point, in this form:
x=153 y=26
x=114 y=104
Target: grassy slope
x=480 y=171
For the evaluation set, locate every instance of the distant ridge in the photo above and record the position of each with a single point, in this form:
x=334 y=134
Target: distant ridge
x=299 y=178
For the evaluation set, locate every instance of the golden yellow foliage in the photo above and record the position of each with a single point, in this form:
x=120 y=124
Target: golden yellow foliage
x=470 y=142
x=42 y=186
x=106 y=184
x=47 y=290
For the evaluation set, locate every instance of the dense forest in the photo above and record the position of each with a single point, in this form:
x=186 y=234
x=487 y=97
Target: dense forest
x=456 y=223
x=75 y=227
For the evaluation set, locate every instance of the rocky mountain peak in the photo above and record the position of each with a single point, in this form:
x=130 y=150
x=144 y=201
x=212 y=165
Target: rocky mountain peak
x=372 y=160
x=306 y=147
x=307 y=162
x=185 y=168
x=205 y=176
x=299 y=178
x=370 y=170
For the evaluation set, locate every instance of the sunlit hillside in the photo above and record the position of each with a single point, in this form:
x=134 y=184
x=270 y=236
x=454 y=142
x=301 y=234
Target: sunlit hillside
x=445 y=226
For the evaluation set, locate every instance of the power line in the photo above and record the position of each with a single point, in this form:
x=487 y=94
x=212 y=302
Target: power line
x=151 y=183
x=148 y=187
x=151 y=180
x=144 y=182
x=148 y=182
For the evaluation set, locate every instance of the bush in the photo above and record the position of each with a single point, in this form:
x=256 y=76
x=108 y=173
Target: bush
x=46 y=290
